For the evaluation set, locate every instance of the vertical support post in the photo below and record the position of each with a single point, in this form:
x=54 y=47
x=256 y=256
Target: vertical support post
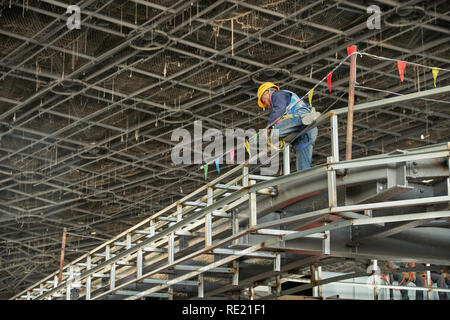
x=277 y=262
x=351 y=102
x=28 y=295
x=235 y=273
x=314 y=280
x=244 y=184
x=334 y=137
x=245 y=176
x=319 y=277
x=278 y=283
x=326 y=245
x=208 y=218
x=253 y=214
x=152 y=228
x=112 y=283
x=170 y=245
x=201 y=286
x=170 y=291
x=374 y=273
x=112 y=273
x=286 y=160
x=428 y=283
x=235 y=226
x=448 y=184
x=69 y=284
x=179 y=212
x=128 y=240
x=139 y=264
x=332 y=193
x=252 y=291
x=88 y=279
x=55 y=281
x=41 y=289
x=61 y=261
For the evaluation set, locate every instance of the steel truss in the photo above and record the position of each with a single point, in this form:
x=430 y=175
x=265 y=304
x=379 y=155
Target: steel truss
x=221 y=227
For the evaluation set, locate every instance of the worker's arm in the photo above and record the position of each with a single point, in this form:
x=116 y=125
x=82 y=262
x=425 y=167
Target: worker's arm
x=280 y=100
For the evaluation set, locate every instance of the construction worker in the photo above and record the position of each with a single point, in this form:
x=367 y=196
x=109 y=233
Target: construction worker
x=288 y=114
x=403 y=278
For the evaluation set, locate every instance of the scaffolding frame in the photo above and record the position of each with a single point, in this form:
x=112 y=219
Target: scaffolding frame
x=152 y=241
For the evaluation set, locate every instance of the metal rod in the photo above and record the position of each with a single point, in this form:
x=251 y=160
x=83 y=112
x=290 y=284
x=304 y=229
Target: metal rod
x=88 y=279
x=61 y=261
x=208 y=218
x=286 y=160
x=351 y=102
x=253 y=213
x=235 y=281
x=201 y=286
x=332 y=192
x=334 y=137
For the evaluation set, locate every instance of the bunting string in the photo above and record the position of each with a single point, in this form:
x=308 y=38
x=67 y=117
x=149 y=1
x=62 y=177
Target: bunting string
x=351 y=50
x=395 y=60
x=399 y=94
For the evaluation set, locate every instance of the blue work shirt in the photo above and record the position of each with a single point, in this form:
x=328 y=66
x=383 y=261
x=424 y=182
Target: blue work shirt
x=280 y=100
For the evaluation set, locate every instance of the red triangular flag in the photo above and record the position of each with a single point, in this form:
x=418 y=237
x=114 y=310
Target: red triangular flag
x=401 y=69
x=329 y=80
x=351 y=50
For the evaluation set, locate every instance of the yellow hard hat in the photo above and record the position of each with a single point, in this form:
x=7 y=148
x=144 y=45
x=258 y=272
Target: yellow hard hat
x=262 y=88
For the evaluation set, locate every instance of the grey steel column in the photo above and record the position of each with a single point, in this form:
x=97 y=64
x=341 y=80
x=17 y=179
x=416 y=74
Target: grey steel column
x=428 y=282
x=374 y=274
x=139 y=264
x=152 y=228
x=332 y=193
x=253 y=213
x=319 y=277
x=326 y=241
x=170 y=242
x=235 y=273
x=88 y=279
x=208 y=218
x=286 y=160
x=179 y=212
x=201 y=286
x=334 y=137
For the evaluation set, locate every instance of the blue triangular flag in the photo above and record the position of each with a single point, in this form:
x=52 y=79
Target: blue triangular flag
x=217 y=165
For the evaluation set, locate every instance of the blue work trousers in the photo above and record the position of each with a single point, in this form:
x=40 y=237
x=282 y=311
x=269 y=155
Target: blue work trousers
x=295 y=124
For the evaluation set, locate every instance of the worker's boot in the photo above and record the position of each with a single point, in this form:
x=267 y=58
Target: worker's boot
x=310 y=117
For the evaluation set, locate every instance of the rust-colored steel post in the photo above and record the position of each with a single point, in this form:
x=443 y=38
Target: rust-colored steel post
x=351 y=102
x=61 y=262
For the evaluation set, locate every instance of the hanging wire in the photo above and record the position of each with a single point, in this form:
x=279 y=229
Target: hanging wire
x=395 y=60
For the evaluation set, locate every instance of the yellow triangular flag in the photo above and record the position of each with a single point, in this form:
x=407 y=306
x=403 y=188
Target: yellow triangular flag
x=310 y=95
x=435 y=74
x=247 y=147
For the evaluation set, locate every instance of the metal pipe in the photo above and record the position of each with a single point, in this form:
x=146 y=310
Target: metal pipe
x=286 y=160
x=351 y=102
x=61 y=261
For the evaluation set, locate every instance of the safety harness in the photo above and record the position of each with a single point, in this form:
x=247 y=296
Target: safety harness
x=296 y=101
